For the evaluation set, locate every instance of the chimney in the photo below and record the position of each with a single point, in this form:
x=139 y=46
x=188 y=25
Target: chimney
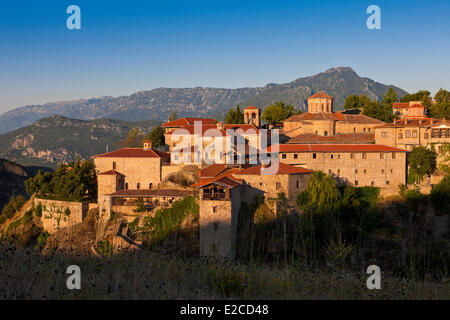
x=147 y=144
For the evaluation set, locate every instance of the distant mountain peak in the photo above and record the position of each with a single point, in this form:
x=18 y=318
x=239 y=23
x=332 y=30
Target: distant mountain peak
x=157 y=104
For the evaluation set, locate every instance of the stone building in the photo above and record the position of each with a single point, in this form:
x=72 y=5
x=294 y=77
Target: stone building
x=130 y=168
x=222 y=191
x=320 y=102
x=408 y=133
x=329 y=124
x=358 y=165
x=252 y=115
x=412 y=109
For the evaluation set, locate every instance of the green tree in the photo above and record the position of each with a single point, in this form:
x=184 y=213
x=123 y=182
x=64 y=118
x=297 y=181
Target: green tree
x=421 y=95
x=235 y=117
x=421 y=162
x=14 y=205
x=441 y=109
x=278 y=112
x=351 y=102
x=75 y=181
x=134 y=139
x=320 y=195
x=440 y=195
x=157 y=137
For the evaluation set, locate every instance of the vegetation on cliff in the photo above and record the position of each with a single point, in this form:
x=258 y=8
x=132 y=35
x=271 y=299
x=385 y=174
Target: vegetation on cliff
x=75 y=181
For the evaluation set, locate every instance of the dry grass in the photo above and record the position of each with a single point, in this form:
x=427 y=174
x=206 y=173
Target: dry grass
x=26 y=274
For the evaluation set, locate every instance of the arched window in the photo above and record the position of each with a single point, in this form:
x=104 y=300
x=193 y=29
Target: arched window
x=325 y=133
x=126 y=186
x=114 y=165
x=150 y=185
x=138 y=186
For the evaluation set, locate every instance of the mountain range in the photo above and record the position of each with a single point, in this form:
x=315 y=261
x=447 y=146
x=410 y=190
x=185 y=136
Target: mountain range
x=56 y=139
x=157 y=104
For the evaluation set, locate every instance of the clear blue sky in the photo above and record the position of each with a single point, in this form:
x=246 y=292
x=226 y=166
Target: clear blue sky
x=127 y=46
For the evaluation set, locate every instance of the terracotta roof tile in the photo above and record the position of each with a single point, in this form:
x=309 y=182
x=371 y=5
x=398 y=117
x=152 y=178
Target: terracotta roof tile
x=134 y=153
x=251 y=107
x=283 y=168
x=153 y=193
x=320 y=95
x=338 y=116
x=187 y=121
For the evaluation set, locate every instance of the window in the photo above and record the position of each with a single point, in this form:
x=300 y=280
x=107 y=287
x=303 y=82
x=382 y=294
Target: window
x=381 y=155
x=260 y=184
x=356 y=170
x=138 y=186
x=325 y=133
x=382 y=170
x=214 y=209
x=295 y=156
x=352 y=155
x=414 y=134
x=114 y=165
x=356 y=182
x=425 y=135
x=400 y=135
x=278 y=185
x=387 y=182
x=368 y=130
x=364 y=130
x=408 y=134
x=364 y=155
x=331 y=156
x=283 y=155
x=126 y=186
x=339 y=156
x=365 y=171
x=339 y=172
x=393 y=155
x=314 y=156
x=150 y=185
x=297 y=184
x=392 y=171
x=329 y=171
x=354 y=129
x=384 y=135
x=372 y=183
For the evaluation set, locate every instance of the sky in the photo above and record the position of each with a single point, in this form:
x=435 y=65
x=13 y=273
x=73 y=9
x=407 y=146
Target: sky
x=128 y=46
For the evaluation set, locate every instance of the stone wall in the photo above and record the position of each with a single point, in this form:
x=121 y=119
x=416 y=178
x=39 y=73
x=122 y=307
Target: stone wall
x=377 y=169
x=61 y=214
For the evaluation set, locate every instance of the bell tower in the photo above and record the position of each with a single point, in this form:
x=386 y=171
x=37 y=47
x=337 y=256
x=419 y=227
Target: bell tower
x=252 y=116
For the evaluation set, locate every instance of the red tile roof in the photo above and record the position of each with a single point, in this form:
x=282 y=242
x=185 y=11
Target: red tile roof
x=251 y=107
x=190 y=129
x=245 y=127
x=404 y=105
x=226 y=181
x=283 y=168
x=134 y=153
x=338 y=116
x=178 y=123
x=286 y=148
x=320 y=95
x=212 y=170
x=424 y=123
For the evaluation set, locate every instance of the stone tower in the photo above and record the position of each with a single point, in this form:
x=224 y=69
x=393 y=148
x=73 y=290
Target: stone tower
x=252 y=116
x=320 y=102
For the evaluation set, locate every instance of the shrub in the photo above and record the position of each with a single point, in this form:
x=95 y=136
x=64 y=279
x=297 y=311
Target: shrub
x=15 y=204
x=105 y=248
x=440 y=195
x=42 y=239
